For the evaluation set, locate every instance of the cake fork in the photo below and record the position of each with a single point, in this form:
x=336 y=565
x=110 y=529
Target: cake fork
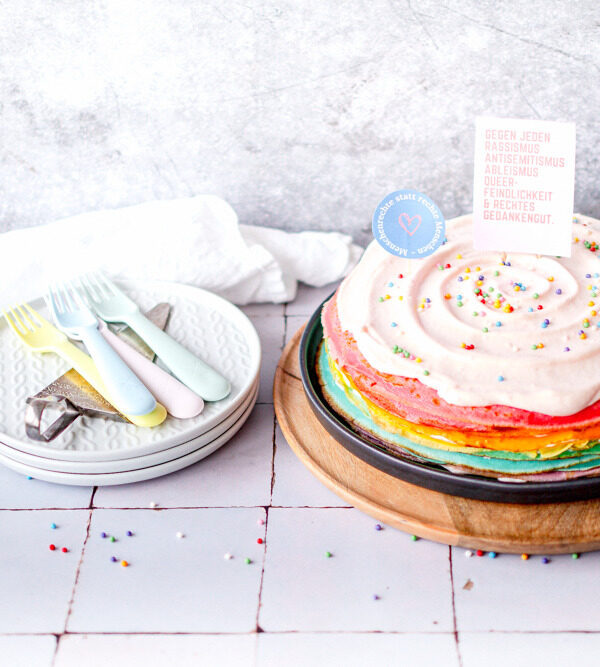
x=112 y=305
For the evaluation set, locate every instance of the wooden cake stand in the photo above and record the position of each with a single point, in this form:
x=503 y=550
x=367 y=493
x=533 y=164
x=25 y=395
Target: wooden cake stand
x=475 y=524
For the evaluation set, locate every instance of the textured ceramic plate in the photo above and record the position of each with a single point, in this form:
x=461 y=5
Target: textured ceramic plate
x=123 y=465
x=424 y=474
x=136 y=475
x=209 y=326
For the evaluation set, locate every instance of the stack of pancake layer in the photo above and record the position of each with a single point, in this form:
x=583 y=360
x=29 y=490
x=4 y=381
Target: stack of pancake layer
x=482 y=362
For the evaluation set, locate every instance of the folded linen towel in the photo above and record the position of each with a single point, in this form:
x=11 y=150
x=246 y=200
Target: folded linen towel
x=197 y=241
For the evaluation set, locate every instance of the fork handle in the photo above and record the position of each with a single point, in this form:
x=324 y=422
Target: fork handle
x=85 y=366
x=180 y=401
x=130 y=395
x=192 y=371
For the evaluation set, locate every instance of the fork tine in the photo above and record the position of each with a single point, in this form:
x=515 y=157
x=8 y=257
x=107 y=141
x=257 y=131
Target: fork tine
x=65 y=293
x=107 y=284
x=35 y=315
x=79 y=301
x=26 y=317
x=54 y=303
x=87 y=287
x=100 y=290
x=15 y=323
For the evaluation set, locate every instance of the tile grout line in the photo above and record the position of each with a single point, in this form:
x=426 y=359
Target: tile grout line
x=78 y=571
x=262 y=572
x=87 y=534
x=57 y=640
x=454 y=623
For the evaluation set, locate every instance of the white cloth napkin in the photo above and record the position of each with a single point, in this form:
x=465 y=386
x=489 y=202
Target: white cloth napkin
x=197 y=241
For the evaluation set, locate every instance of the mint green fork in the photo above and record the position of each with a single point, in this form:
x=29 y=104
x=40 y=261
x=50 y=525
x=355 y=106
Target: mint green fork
x=40 y=336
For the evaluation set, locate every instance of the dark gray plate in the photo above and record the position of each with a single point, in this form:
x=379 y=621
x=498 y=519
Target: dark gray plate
x=426 y=475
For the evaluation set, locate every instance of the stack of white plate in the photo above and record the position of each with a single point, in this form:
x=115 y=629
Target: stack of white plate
x=99 y=452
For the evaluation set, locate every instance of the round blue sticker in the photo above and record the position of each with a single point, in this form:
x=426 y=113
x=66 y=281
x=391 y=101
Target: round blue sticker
x=408 y=224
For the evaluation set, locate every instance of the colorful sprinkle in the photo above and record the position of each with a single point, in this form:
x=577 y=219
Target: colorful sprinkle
x=414 y=538
x=558 y=291
x=179 y=535
x=492 y=554
x=113 y=539
x=129 y=533
x=227 y=556
x=378 y=526
x=479 y=552
x=574 y=556
x=114 y=559
x=259 y=540
x=53 y=526
x=328 y=554
x=501 y=378
x=525 y=556
x=468 y=553
x=103 y=535
x=64 y=550
x=247 y=561
x=52 y=547
x=545 y=560
x=124 y=563
x=375 y=597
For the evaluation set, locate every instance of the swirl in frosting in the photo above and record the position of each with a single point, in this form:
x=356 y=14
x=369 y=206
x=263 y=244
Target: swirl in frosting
x=483 y=328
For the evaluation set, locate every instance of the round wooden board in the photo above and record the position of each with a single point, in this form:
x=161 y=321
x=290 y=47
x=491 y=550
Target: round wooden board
x=474 y=524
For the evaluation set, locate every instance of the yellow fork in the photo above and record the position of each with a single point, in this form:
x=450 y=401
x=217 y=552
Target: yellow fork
x=40 y=336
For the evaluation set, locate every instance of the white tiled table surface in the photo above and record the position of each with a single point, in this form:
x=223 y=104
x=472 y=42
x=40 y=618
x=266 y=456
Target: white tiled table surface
x=380 y=599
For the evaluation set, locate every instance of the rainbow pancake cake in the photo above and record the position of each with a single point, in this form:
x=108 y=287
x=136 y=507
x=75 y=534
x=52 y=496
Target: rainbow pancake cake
x=481 y=362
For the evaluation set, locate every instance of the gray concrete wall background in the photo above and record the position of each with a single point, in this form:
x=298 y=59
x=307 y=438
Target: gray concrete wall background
x=302 y=114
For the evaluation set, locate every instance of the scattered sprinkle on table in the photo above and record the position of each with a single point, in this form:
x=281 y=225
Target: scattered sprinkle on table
x=328 y=554
x=113 y=538
x=247 y=561
x=492 y=554
x=227 y=556
x=261 y=522
x=375 y=596
x=378 y=526
x=545 y=560
x=103 y=535
x=52 y=547
x=259 y=540
x=479 y=552
x=179 y=535
x=53 y=526
x=575 y=556
x=468 y=553
x=525 y=556
x=414 y=538
x=129 y=533
x=114 y=559
x=124 y=563
x=152 y=504
x=64 y=550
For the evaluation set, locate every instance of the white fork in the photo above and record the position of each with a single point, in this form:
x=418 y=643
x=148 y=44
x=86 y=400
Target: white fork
x=114 y=306
x=75 y=319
